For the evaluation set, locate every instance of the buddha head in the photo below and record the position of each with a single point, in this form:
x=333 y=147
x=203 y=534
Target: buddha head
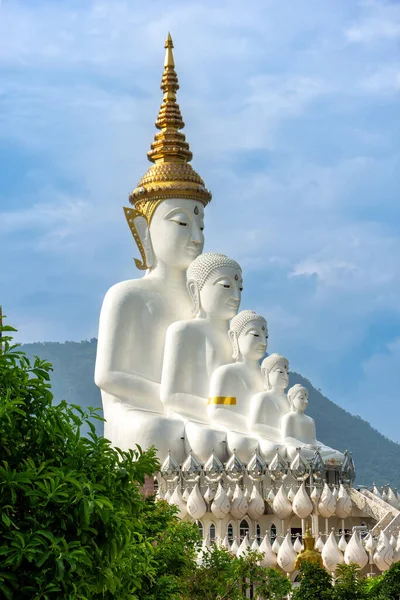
x=298 y=398
x=275 y=370
x=248 y=333
x=167 y=214
x=215 y=286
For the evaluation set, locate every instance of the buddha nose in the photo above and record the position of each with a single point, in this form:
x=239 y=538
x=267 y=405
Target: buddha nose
x=196 y=235
x=236 y=292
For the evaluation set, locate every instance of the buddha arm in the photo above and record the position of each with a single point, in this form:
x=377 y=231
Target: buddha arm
x=256 y=421
x=223 y=405
x=180 y=374
x=118 y=332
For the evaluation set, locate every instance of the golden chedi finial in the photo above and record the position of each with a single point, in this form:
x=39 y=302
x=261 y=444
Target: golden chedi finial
x=309 y=553
x=171 y=175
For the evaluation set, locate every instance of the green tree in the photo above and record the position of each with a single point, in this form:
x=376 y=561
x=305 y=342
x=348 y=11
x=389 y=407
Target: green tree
x=315 y=583
x=74 y=524
x=221 y=576
x=349 y=584
x=385 y=586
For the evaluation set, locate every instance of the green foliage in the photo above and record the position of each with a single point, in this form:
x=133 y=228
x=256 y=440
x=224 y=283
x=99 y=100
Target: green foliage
x=349 y=584
x=224 y=577
x=315 y=583
x=74 y=524
x=376 y=458
x=386 y=586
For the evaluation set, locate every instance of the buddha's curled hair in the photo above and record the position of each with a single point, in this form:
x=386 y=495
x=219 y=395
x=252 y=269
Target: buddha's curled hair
x=240 y=321
x=202 y=267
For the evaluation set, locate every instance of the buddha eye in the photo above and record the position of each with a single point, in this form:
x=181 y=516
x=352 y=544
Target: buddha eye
x=182 y=224
x=256 y=335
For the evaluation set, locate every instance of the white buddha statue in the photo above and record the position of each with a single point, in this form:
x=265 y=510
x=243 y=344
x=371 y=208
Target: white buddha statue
x=167 y=221
x=298 y=430
x=233 y=385
x=268 y=407
x=195 y=348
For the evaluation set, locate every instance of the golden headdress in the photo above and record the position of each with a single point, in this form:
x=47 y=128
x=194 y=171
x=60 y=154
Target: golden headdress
x=171 y=176
x=309 y=553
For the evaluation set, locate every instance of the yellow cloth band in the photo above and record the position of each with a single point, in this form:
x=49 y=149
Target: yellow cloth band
x=231 y=400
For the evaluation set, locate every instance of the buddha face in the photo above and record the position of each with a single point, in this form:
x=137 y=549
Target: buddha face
x=278 y=376
x=300 y=401
x=221 y=293
x=176 y=231
x=253 y=340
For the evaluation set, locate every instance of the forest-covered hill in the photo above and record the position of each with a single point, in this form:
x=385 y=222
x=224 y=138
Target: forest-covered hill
x=376 y=457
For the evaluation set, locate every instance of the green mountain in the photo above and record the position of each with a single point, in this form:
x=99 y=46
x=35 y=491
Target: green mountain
x=377 y=458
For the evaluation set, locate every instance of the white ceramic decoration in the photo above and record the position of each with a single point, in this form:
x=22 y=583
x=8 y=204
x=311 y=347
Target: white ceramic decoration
x=276 y=545
x=342 y=544
x=291 y=494
x=168 y=495
x=225 y=543
x=234 y=547
x=256 y=504
x=287 y=555
x=269 y=556
x=239 y=504
x=233 y=385
x=396 y=554
x=302 y=505
x=392 y=499
x=331 y=555
x=271 y=496
x=298 y=430
x=177 y=499
x=221 y=505
x=268 y=407
x=167 y=222
x=297 y=546
x=343 y=503
x=355 y=552
x=376 y=492
x=383 y=555
x=255 y=546
x=208 y=494
x=244 y=547
x=369 y=543
x=315 y=495
x=327 y=503
x=319 y=543
x=195 y=348
x=281 y=504
x=195 y=505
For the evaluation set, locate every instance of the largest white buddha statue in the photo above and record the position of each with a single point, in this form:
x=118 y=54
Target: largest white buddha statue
x=167 y=221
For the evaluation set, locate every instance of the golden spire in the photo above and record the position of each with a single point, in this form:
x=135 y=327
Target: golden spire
x=171 y=176
x=309 y=553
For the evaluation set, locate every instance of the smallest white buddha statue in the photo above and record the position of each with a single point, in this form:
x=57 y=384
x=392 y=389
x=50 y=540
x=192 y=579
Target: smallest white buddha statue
x=298 y=430
x=233 y=385
x=268 y=407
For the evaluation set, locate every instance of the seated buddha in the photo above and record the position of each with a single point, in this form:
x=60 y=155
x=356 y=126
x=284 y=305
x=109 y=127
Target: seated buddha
x=167 y=220
x=268 y=407
x=233 y=385
x=298 y=430
x=195 y=348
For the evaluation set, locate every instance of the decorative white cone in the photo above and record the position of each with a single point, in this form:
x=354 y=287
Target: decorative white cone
x=186 y=494
x=343 y=503
x=291 y=494
x=234 y=547
x=239 y=504
x=319 y=543
x=355 y=552
x=168 y=495
x=302 y=505
x=392 y=499
x=327 y=503
x=244 y=546
x=396 y=554
x=331 y=555
x=195 y=505
x=255 y=546
x=376 y=492
x=315 y=495
x=276 y=545
x=298 y=546
x=287 y=555
x=221 y=504
x=225 y=543
x=342 y=543
x=271 y=496
x=269 y=556
x=177 y=499
x=256 y=504
x=383 y=556
x=281 y=505
x=369 y=543
x=208 y=494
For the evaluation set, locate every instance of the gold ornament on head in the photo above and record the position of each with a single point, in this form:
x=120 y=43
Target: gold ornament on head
x=309 y=553
x=171 y=175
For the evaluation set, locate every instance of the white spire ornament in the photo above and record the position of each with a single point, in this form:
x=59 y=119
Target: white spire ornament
x=256 y=504
x=281 y=505
x=298 y=546
x=276 y=545
x=244 y=547
x=221 y=504
x=319 y=543
x=269 y=557
x=177 y=499
x=195 y=505
x=383 y=556
x=302 y=505
x=342 y=543
x=287 y=555
x=343 y=503
x=331 y=555
x=239 y=504
x=355 y=552
x=327 y=503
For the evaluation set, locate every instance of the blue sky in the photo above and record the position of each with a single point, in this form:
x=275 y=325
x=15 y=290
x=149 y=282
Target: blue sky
x=292 y=113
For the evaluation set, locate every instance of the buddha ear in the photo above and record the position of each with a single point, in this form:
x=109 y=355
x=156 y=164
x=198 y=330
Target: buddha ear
x=194 y=294
x=235 y=344
x=264 y=373
x=141 y=233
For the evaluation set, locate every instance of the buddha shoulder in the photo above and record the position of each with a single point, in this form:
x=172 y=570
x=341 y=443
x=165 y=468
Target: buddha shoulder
x=182 y=329
x=130 y=292
x=228 y=373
